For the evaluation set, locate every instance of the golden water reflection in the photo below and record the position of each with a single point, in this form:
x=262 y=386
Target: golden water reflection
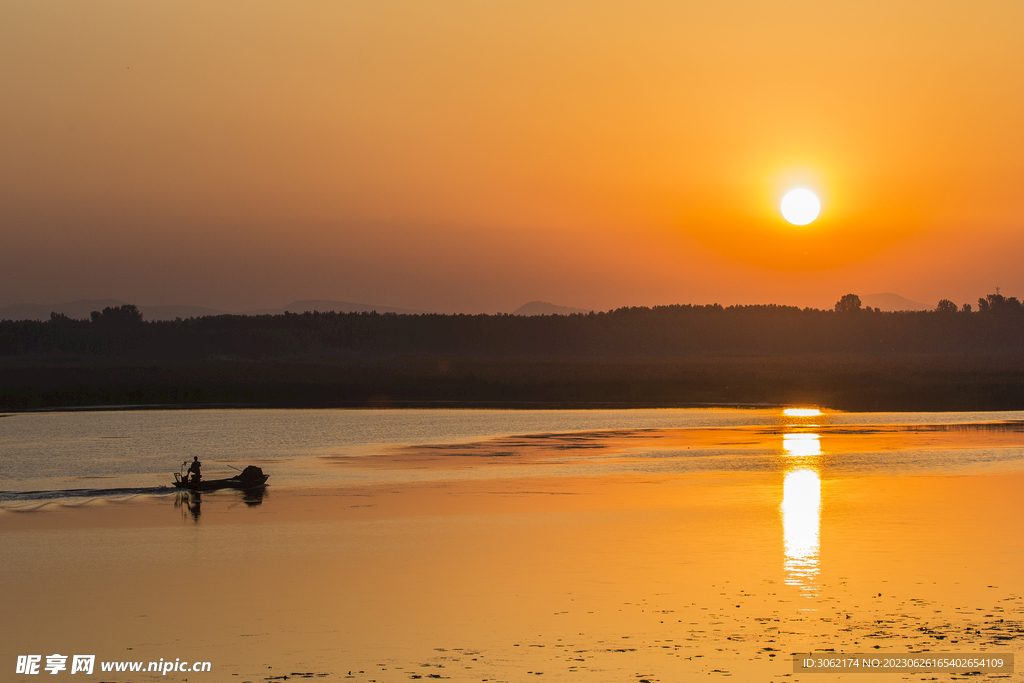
x=801 y=412
x=801 y=511
x=801 y=445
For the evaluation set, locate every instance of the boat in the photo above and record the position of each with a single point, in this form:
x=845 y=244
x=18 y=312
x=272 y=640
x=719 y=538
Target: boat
x=251 y=477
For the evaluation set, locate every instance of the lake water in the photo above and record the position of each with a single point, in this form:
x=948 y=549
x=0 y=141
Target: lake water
x=121 y=453
x=475 y=545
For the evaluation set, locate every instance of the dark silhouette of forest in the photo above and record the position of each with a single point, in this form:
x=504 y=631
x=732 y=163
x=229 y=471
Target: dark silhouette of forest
x=848 y=357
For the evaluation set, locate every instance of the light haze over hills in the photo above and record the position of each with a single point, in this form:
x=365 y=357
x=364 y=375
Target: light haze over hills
x=76 y=310
x=81 y=309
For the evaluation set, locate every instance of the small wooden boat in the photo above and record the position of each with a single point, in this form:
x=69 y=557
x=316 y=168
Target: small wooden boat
x=250 y=478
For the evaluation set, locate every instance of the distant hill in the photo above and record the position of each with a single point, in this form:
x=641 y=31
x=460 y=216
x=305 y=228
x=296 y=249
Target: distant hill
x=326 y=306
x=544 y=308
x=893 y=302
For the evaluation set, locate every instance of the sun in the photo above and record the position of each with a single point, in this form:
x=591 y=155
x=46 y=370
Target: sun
x=800 y=206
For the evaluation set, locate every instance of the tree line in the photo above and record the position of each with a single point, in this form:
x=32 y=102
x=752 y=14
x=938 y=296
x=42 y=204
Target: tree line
x=659 y=331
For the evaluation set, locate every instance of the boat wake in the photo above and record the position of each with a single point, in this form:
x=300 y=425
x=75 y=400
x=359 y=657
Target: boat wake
x=46 y=496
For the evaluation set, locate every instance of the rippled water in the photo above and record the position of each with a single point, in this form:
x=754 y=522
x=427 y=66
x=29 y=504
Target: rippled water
x=103 y=453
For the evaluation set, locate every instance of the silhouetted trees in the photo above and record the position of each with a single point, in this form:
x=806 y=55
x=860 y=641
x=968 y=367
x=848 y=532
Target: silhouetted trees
x=661 y=331
x=849 y=303
x=997 y=303
x=119 y=316
x=666 y=353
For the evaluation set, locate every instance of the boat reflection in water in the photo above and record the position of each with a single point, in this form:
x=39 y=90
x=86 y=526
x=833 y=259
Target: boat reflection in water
x=253 y=497
x=801 y=511
x=191 y=502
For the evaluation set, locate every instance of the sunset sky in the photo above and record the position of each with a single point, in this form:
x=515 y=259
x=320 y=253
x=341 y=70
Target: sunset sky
x=474 y=156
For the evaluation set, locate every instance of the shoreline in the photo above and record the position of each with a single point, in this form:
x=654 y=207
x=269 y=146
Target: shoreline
x=864 y=382
x=416 y=405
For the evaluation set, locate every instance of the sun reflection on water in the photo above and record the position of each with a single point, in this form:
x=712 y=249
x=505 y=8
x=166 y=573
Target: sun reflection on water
x=801 y=512
x=801 y=445
x=801 y=412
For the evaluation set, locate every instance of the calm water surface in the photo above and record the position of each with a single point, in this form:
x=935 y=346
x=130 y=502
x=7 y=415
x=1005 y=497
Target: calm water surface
x=131 y=452
x=721 y=541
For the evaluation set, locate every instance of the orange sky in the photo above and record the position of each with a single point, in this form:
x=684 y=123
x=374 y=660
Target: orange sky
x=468 y=156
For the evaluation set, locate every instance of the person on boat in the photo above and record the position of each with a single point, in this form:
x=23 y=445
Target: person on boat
x=194 y=470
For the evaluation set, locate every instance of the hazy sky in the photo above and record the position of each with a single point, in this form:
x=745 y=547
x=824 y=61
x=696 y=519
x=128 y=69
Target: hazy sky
x=473 y=156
